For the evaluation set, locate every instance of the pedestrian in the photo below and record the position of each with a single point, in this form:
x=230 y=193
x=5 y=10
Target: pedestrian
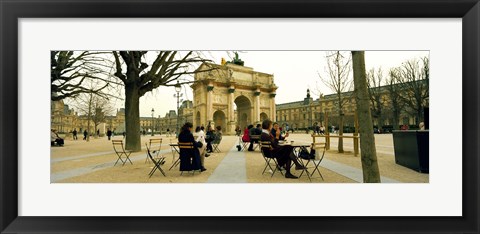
x=85 y=133
x=74 y=134
x=98 y=132
x=109 y=133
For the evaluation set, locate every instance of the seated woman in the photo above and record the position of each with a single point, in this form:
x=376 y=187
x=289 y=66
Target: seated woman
x=284 y=154
x=189 y=158
x=246 y=133
x=55 y=138
x=277 y=133
x=199 y=136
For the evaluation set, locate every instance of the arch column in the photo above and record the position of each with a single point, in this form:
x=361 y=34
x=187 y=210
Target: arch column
x=273 y=109
x=230 y=117
x=256 y=106
x=209 y=103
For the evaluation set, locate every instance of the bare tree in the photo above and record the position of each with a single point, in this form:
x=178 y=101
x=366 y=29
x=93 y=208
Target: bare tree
x=413 y=79
x=371 y=173
x=374 y=84
x=393 y=92
x=141 y=73
x=70 y=71
x=338 y=80
x=93 y=107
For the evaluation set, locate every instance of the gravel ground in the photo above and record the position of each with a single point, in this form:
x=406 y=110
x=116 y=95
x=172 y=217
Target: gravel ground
x=95 y=160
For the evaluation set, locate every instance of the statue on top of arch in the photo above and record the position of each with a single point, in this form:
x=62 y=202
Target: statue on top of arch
x=236 y=60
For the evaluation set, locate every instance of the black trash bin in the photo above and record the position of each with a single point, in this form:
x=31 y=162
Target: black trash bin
x=412 y=149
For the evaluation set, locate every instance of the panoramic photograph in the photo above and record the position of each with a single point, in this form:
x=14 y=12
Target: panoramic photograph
x=239 y=116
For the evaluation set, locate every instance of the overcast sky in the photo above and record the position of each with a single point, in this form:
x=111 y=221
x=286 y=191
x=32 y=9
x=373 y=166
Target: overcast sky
x=294 y=72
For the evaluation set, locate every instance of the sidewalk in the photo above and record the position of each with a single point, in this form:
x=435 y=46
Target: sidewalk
x=92 y=162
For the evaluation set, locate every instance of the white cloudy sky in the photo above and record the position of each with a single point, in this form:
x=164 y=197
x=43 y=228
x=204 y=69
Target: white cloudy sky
x=294 y=72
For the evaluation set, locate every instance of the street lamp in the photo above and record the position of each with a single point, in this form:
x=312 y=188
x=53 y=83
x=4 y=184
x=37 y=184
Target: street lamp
x=178 y=88
x=153 y=111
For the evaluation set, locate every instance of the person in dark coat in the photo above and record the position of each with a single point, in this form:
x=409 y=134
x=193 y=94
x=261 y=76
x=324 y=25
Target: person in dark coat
x=284 y=154
x=85 y=133
x=189 y=158
x=109 y=133
x=74 y=134
x=254 y=131
x=210 y=136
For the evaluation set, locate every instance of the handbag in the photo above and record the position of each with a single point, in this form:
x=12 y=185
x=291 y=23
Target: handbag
x=304 y=154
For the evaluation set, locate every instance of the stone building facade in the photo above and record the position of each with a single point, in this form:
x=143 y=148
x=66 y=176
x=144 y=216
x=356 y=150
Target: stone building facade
x=304 y=114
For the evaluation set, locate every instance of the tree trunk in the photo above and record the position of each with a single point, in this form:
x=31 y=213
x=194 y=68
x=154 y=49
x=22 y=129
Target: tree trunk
x=371 y=173
x=132 y=117
x=340 y=133
x=340 y=125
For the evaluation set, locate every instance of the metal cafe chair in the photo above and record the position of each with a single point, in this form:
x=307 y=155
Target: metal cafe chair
x=155 y=146
x=189 y=147
x=157 y=163
x=215 y=144
x=265 y=148
x=120 y=152
x=316 y=161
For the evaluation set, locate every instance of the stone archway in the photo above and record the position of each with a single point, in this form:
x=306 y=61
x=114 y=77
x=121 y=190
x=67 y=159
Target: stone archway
x=244 y=110
x=263 y=117
x=219 y=119
x=239 y=92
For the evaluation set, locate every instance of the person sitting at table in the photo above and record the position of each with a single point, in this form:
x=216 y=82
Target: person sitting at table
x=277 y=133
x=283 y=153
x=189 y=158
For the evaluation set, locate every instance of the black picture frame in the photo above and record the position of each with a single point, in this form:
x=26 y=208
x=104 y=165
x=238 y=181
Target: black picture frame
x=11 y=11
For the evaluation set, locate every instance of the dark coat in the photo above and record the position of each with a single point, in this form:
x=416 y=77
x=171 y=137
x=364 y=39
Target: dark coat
x=282 y=153
x=189 y=158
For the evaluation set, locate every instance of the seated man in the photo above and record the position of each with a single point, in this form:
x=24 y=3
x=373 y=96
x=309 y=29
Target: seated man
x=257 y=132
x=284 y=154
x=54 y=138
x=210 y=136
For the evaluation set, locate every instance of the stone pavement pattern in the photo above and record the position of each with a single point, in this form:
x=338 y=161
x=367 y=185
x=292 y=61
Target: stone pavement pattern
x=92 y=162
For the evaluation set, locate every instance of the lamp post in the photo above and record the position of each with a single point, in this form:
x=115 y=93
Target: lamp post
x=153 y=111
x=178 y=88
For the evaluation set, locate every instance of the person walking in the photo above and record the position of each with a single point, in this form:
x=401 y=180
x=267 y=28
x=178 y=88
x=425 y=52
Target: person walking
x=85 y=133
x=74 y=134
x=109 y=133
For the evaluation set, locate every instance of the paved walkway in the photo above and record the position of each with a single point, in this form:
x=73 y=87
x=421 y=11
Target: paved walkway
x=232 y=169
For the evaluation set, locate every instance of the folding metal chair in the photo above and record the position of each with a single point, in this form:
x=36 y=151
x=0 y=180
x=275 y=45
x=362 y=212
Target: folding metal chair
x=186 y=146
x=155 y=146
x=175 y=150
x=244 y=144
x=255 y=138
x=215 y=144
x=120 y=151
x=266 y=149
x=157 y=163
x=316 y=162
